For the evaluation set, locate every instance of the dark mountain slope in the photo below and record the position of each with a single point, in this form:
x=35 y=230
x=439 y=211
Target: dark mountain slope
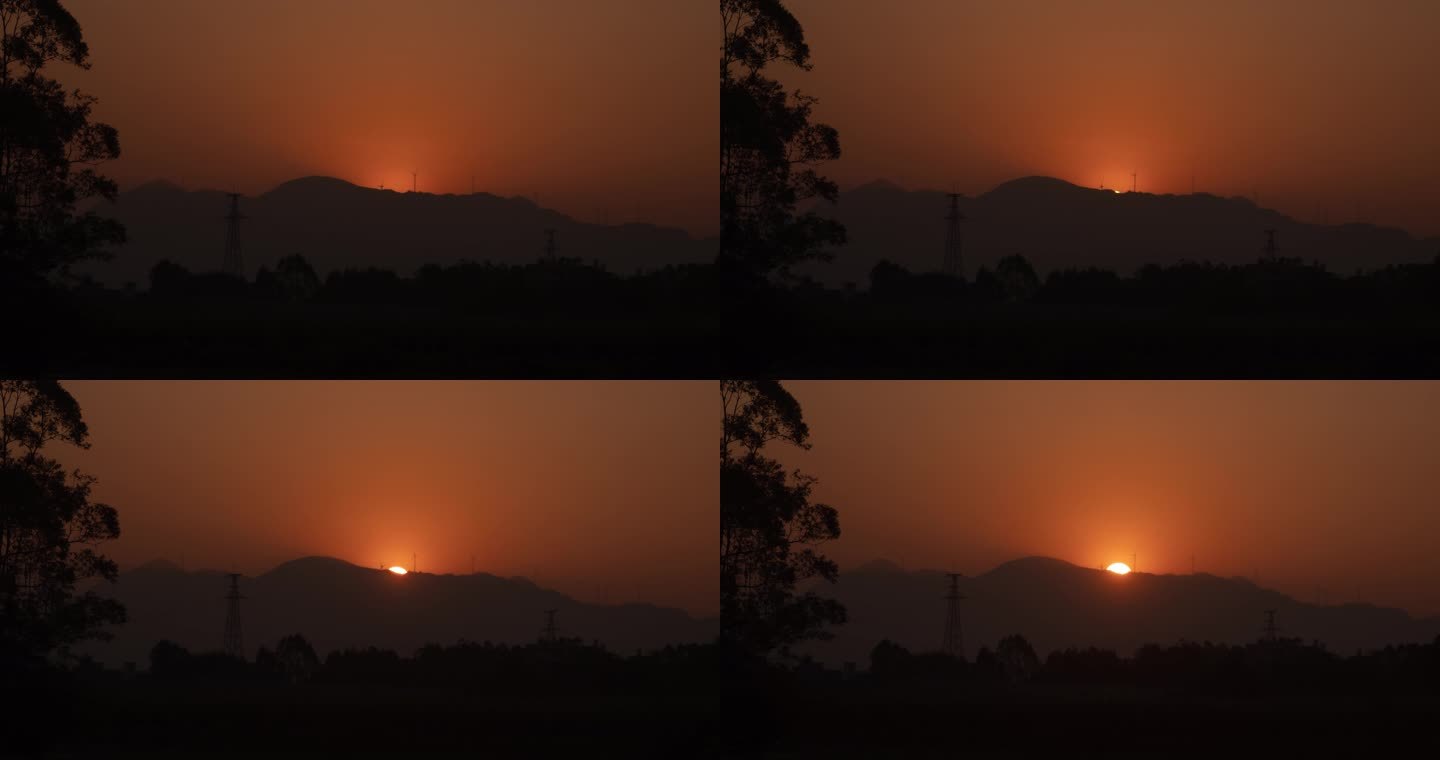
x=338 y=605
x=1058 y=225
x=1057 y=605
x=338 y=225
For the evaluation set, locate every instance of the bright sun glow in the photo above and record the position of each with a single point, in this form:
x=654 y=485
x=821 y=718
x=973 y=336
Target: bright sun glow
x=1119 y=568
x=398 y=570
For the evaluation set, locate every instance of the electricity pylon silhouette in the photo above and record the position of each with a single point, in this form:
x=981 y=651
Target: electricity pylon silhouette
x=234 y=643
x=234 y=262
x=954 y=644
x=954 y=265
x=550 y=633
x=550 y=243
x=1271 y=632
x=1272 y=251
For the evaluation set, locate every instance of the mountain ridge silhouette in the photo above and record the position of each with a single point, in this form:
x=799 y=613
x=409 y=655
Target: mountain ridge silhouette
x=336 y=224
x=1056 y=605
x=336 y=605
x=1057 y=224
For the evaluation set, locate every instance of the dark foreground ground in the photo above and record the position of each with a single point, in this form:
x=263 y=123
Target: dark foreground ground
x=138 y=338
x=1075 y=341
x=858 y=721
x=137 y=718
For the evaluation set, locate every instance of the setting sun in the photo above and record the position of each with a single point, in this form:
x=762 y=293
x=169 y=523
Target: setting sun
x=1118 y=568
x=398 y=570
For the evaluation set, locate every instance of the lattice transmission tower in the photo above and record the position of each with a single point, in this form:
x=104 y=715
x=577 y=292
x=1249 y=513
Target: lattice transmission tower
x=234 y=642
x=954 y=644
x=1272 y=250
x=954 y=265
x=550 y=633
x=1271 y=632
x=234 y=263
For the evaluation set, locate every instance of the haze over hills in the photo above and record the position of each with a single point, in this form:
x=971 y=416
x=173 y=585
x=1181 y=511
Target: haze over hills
x=337 y=605
x=1058 y=225
x=1057 y=605
x=337 y=225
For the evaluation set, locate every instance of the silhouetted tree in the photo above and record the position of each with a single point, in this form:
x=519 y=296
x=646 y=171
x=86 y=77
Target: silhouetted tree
x=296 y=658
x=987 y=665
x=293 y=280
x=168 y=279
x=1017 y=658
x=168 y=659
x=48 y=528
x=48 y=150
x=768 y=526
x=769 y=147
x=1018 y=281
x=1090 y=665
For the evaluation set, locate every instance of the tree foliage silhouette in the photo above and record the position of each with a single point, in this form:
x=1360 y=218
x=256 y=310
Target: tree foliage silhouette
x=49 y=527
x=294 y=658
x=769 y=526
x=49 y=148
x=769 y=148
x=1017 y=658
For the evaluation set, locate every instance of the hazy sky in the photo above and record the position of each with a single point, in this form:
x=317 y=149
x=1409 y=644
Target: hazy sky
x=1325 y=108
x=606 y=491
x=1317 y=487
x=605 y=110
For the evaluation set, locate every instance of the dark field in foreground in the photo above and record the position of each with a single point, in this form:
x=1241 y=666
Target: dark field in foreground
x=853 y=720
x=141 y=718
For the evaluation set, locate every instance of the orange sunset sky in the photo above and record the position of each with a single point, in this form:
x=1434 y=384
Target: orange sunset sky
x=1326 y=490
x=1324 y=108
x=607 y=112
x=605 y=491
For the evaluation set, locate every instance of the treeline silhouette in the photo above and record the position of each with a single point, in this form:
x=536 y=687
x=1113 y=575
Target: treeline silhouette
x=1278 y=285
x=1283 y=665
x=1275 y=317
x=1182 y=699
x=569 y=665
x=548 y=286
x=488 y=699
x=557 y=317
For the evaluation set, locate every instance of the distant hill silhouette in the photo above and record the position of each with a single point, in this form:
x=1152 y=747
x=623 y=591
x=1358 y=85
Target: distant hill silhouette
x=1056 y=605
x=337 y=605
x=336 y=225
x=1058 y=225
